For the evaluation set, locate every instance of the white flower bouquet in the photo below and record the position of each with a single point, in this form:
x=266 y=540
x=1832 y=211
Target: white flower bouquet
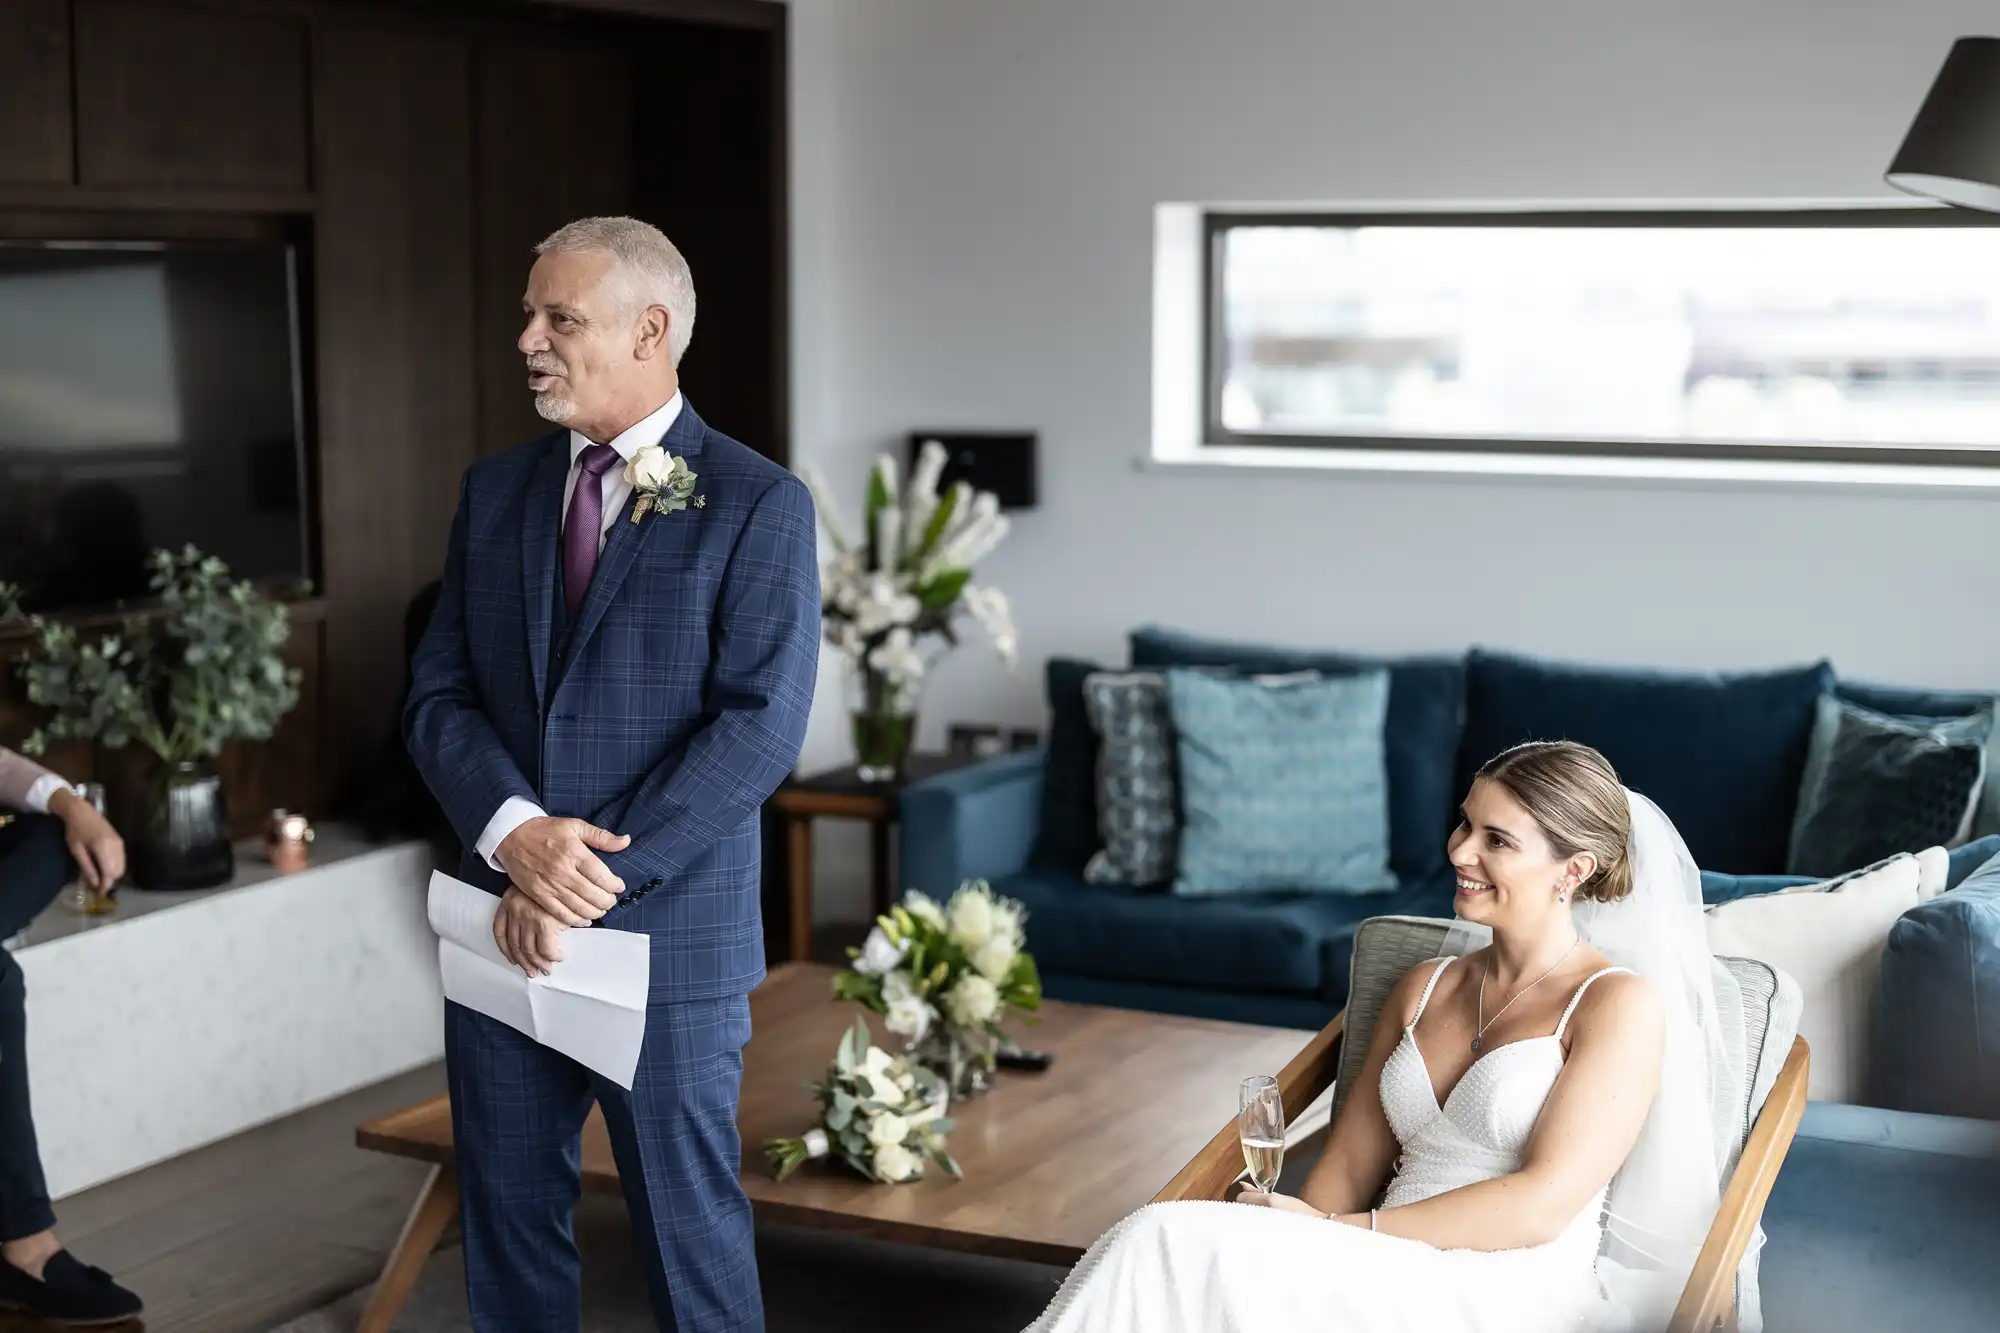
x=879 y=1113
x=901 y=586
x=944 y=978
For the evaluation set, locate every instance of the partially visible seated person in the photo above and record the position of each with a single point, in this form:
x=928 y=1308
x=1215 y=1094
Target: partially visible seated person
x=52 y=835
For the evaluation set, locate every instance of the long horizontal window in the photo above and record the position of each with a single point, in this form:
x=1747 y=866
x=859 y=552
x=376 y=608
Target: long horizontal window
x=1829 y=336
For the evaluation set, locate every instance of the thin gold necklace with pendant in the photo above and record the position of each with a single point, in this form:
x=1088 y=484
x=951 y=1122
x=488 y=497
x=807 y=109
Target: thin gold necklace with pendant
x=1479 y=1037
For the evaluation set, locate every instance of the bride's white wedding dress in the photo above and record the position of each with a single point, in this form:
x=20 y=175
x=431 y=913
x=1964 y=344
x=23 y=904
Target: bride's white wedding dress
x=1226 y=1268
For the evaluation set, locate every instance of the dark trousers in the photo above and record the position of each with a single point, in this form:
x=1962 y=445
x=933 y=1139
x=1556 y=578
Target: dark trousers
x=34 y=865
x=517 y=1116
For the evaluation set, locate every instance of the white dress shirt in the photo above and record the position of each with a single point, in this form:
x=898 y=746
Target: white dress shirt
x=616 y=490
x=25 y=784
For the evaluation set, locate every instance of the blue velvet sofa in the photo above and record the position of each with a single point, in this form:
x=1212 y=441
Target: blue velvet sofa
x=1027 y=821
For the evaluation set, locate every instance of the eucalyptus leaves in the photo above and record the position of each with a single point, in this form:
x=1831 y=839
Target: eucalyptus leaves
x=205 y=669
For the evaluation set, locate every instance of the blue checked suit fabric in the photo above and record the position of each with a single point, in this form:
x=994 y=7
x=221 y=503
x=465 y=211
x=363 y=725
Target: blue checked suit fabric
x=670 y=710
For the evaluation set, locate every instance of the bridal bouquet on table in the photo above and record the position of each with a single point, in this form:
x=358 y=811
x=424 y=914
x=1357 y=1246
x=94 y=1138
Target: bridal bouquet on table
x=899 y=588
x=878 y=1113
x=944 y=977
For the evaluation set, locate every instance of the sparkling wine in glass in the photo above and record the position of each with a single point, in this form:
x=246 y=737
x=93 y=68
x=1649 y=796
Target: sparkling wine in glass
x=1261 y=1124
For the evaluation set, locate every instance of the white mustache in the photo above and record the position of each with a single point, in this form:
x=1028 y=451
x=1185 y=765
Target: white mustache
x=547 y=365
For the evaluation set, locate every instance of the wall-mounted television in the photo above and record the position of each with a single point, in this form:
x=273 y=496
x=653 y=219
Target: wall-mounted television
x=150 y=395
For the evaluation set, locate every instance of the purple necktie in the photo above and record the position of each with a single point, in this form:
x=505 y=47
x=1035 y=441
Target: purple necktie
x=584 y=526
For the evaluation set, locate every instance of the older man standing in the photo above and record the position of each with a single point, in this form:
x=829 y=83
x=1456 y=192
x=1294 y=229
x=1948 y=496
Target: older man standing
x=618 y=674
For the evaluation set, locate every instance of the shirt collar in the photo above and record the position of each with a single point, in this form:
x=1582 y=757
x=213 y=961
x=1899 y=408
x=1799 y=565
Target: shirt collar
x=649 y=429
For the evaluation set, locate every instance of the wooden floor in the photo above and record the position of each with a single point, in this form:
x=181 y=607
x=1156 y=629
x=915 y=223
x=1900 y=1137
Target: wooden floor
x=259 y=1229
x=254 y=1231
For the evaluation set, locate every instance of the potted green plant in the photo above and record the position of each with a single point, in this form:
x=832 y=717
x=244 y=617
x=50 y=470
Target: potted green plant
x=206 y=668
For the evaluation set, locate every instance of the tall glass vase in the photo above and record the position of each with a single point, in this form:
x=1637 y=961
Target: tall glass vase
x=962 y=1057
x=883 y=713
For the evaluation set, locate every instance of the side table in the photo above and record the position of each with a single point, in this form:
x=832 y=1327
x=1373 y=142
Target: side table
x=839 y=793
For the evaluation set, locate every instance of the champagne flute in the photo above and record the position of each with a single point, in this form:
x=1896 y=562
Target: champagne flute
x=1261 y=1125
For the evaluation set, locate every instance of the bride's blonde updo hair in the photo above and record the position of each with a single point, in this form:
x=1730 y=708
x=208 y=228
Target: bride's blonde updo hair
x=1574 y=795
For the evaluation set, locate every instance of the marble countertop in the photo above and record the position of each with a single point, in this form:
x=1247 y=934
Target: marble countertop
x=333 y=843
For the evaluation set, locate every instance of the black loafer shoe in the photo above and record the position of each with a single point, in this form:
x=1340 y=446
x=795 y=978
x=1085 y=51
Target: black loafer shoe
x=69 y=1292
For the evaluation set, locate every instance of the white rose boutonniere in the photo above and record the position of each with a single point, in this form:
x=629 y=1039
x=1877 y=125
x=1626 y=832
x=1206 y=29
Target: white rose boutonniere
x=661 y=482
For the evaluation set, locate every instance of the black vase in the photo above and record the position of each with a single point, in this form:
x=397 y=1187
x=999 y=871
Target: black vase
x=185 y=839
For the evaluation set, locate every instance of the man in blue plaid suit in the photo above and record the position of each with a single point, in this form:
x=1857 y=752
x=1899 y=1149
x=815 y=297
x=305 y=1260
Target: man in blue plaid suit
x=617 y=675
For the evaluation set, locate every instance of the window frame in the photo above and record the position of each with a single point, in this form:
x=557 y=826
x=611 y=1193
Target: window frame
x=1215 y=223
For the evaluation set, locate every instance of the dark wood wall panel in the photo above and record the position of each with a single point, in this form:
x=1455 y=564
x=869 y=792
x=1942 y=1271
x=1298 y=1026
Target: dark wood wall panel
x=416 y=150
x=537 y=171
x=710 y=171
x=395 y=334
x=35 y=128
x=189 y=97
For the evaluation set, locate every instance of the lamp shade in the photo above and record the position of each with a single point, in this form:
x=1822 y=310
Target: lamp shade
x=1952 y=151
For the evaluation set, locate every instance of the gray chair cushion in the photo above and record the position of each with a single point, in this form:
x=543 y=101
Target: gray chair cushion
x=1385 y=947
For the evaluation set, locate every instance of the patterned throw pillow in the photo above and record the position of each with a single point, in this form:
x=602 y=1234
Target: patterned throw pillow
x=1875 y=785
x=1136 y=793
x=1283 y=786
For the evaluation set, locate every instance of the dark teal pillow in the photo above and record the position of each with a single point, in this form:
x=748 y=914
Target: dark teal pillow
x=1283 y=786
x=1937 y=1007
x=1877 y=784
x=1900 y=702
x=1420 y=734
x=1721 y=753
x=1067 y=837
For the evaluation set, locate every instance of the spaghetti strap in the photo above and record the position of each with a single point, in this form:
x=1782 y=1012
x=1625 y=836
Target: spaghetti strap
x=1429 y=986
x=1574 y=999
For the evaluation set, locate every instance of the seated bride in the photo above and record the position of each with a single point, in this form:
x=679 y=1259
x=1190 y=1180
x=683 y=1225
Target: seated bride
x=1528 y=1145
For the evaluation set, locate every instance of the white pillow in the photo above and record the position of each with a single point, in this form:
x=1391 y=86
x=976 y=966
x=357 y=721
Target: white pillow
x=1830 y=943
x=1933 y=865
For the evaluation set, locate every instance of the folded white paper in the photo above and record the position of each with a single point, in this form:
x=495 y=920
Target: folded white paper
x=591 y=1006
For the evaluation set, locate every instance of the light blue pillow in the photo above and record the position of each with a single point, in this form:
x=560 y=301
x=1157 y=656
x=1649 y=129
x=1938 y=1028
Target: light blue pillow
x=1283 y=786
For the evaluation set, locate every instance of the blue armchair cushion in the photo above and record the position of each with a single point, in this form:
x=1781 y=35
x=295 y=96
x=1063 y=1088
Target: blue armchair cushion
x=1420 y=733
x=1722 y=754
x=1068 y=833
x=1282 y=785
x=1876 y=784
x=1901 y=702
x=1937 y=1015
x=1883 y=1220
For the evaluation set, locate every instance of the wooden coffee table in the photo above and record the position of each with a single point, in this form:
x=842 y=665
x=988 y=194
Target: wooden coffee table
x=1051 y=1159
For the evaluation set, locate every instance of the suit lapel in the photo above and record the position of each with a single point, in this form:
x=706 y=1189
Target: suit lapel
x=540 y=533
x=622 y=546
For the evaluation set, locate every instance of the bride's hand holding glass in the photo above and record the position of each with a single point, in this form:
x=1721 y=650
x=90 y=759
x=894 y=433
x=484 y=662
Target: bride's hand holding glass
x=1282 y=1203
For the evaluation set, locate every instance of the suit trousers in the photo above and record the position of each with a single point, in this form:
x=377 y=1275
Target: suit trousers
x=34 y=865
x=518 y=1110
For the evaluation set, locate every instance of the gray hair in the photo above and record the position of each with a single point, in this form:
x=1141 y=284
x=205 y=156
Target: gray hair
x=646 y=270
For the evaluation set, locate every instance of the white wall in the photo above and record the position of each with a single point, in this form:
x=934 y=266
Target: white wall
x=974 y=182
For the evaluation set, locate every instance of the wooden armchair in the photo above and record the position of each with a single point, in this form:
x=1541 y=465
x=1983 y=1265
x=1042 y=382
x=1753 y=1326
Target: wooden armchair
x=1760 y=1123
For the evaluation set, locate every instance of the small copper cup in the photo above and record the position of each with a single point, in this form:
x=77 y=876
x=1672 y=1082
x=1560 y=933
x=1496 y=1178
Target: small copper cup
x=286 y=837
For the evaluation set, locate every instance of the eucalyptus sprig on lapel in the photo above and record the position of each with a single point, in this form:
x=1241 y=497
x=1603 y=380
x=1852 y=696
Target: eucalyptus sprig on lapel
x=662 y=482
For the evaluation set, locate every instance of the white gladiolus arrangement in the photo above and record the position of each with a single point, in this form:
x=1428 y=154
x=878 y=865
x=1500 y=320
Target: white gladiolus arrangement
x=879 y=1113
x=904 y=579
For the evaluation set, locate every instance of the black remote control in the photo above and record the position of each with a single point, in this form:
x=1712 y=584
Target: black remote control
x=1013 y=1057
